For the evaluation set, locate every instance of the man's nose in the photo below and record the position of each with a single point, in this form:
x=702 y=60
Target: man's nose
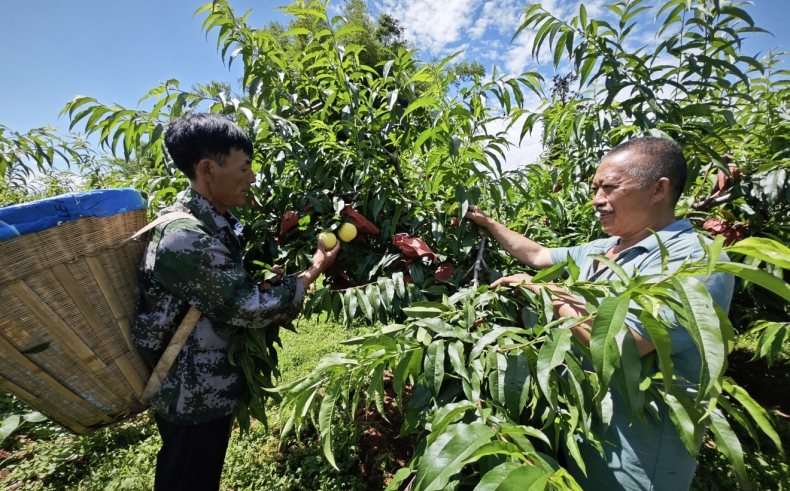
x=598 y=198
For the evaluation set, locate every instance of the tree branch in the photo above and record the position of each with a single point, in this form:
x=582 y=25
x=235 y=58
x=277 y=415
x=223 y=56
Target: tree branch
x=712 y=201
x=479 y=264
x=393 y=159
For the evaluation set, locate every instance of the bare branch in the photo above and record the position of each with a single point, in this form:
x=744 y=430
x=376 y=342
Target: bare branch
x=712 y=201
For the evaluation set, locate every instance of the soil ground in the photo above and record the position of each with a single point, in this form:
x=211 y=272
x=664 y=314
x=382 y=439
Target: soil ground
x=380 y=453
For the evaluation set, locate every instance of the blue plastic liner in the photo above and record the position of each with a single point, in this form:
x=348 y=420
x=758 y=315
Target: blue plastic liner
x=40 y=215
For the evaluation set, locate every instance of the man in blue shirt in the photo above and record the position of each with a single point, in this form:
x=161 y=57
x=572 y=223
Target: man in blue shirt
x=636 y=188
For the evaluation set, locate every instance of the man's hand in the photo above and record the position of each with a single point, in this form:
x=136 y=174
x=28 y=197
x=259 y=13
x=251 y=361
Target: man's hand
x=516 y=279
x=476 y=215
x=278 y=273
x=322 y=259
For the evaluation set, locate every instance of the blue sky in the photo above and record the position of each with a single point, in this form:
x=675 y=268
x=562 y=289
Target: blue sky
x=117 y=51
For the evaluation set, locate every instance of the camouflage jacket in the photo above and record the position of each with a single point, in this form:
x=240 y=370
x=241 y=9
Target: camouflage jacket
x=188 y=262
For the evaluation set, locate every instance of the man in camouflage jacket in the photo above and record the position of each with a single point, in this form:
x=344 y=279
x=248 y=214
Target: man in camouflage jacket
x=198 y=262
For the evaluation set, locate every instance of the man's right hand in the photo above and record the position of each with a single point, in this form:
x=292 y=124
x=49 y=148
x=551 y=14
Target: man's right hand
x=476 y=215
x=323 y=258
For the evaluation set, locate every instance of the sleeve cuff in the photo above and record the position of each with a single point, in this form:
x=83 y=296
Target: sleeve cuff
x=299 y=293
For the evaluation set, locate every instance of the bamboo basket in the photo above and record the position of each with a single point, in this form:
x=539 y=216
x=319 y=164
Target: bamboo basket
x=67 y=298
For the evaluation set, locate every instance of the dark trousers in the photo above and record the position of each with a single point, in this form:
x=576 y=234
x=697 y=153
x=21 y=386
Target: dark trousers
x=191 y=456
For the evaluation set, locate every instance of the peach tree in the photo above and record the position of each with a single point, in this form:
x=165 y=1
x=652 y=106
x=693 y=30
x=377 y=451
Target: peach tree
x=495 y=388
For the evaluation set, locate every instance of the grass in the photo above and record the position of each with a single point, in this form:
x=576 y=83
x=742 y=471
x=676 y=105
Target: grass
x=44 y=457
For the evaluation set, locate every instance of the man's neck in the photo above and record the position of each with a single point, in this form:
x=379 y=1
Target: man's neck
x=202 y=189
x=656 y=225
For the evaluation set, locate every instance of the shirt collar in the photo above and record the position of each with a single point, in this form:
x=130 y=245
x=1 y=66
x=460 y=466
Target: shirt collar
x=650 y=243
x=206 y=213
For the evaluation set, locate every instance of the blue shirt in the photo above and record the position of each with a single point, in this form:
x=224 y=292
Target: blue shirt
x=651 y=457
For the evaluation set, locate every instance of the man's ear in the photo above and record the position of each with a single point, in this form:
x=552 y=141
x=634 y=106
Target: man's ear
x=204 y=171
x=661 y=190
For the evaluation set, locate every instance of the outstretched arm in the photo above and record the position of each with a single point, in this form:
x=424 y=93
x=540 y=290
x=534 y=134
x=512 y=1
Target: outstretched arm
x=525 y=250
x=566 y=305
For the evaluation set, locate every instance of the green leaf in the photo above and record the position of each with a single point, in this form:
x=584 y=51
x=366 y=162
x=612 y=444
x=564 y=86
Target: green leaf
x=517 y=383
x=497 y=365
x=703 y=325
x=550 y=273
x=326 y=417
x=609 y=322
x=714 y=251
x=497 y=447
x=386 y=69
x=756 y=276
x=616 y=268
x=627 y=377
x=421 y=102
x=766 y=250
x=728 y=444
x=35 y=417
x=364 y=302
x=685 y=414
x=422 y=312
x=510 y=476
x=448 y=454
x=10 y=424
x=663 y=344
x=445 y=416
x=551 y=355
x=399 y=285
x=434 y=367
x=399 y=478
x=297 y=31
x=348 y=29
x=489 y=338
x=772 y=336
x=755 y=410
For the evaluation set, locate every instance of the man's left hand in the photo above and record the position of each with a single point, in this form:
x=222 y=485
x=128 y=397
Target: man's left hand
x=521 y=279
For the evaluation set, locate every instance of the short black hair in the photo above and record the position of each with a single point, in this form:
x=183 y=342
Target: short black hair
x=655 y=158
x=194 y=137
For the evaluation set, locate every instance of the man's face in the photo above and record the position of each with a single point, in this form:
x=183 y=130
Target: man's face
x=623 y=209
x=231 y=181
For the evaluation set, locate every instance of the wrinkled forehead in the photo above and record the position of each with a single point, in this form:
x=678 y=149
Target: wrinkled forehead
x=616 y=167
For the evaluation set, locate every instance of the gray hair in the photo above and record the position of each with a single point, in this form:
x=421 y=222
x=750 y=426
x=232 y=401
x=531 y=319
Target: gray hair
x=654 y=158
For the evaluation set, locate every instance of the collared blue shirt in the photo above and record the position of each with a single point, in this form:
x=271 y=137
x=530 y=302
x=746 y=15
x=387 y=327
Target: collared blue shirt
x=648 y=458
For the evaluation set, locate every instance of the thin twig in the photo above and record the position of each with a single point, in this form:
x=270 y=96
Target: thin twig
x=394 y=160
x=479 y=264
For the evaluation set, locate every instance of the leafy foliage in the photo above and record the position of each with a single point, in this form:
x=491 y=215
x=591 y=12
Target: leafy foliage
x=493 y=374
x=343 y=122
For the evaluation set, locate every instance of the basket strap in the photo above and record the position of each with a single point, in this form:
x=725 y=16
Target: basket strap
x=167 y=218
x=184 y=329
x=169 y=356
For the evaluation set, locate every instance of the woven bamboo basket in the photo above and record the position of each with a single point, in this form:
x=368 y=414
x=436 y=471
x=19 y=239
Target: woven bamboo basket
x=67 y=297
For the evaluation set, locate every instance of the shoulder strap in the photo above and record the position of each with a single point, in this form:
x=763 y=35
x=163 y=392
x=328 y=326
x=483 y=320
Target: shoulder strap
x=184 y=329
x=170 y=354
x=170 y=217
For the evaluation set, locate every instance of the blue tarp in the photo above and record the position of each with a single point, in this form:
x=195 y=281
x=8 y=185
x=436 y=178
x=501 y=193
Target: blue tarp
x=40 y=215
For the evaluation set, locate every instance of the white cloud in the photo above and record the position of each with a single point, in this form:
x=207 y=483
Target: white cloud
x=433 y=25
x=518 y=156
